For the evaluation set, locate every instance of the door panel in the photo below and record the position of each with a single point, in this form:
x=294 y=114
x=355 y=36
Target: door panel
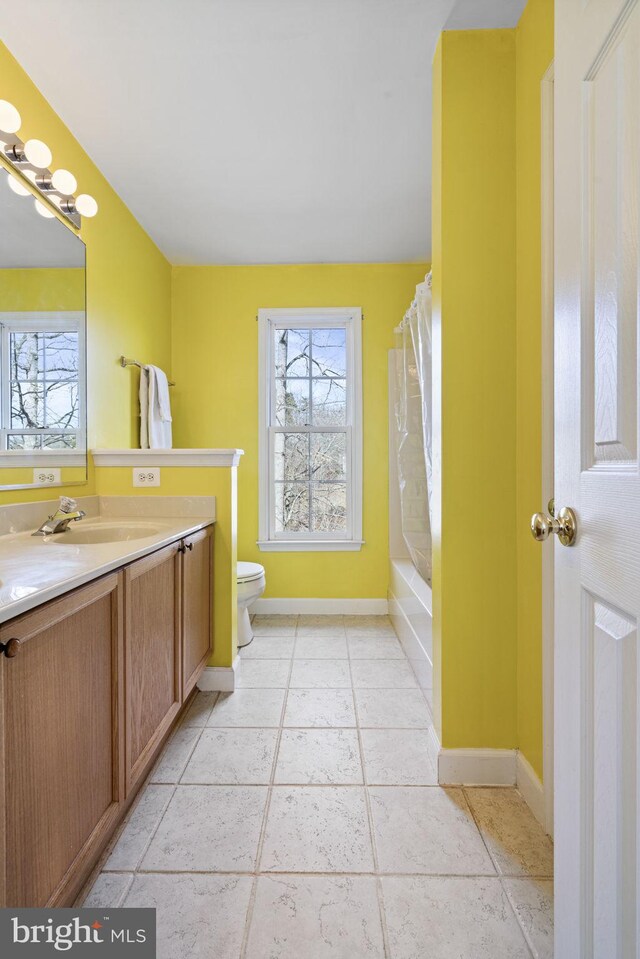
x=597 y=581
x=61 y=728
x=197 y=597
x=152 y=655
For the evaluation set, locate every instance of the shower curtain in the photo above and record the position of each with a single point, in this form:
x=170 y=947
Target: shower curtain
x=413 y=414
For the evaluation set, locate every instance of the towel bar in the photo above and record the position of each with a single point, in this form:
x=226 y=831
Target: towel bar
x=125 y=362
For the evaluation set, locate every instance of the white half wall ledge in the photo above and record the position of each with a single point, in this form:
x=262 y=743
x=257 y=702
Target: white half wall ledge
x=349 y=607
x=219 y=679
x=172 y=457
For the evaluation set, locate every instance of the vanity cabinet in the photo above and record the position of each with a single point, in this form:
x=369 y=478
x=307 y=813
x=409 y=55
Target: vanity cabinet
x=90 y=686
x=61 y=737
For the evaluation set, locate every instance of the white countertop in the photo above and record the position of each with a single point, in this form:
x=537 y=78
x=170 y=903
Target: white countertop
x=34 y=569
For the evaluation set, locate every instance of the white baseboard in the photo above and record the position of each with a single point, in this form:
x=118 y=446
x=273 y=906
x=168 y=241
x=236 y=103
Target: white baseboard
x=353 y=607
x=477 y=767
x=219 y=678
x=531 y=789
x=433 y=746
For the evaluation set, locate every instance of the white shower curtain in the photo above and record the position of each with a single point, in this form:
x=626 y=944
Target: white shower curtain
x=413 y=413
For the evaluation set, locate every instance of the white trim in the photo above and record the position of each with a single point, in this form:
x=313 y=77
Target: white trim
x=309 y=545
x=350 y=607
x=433 y=746
x=547 y=345
x=173 y=457
x=477 y=767
x=43 y=458
x=220 y=679
x=531 y=789
x=314 y=317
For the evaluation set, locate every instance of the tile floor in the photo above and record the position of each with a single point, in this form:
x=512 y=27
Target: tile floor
x=299 y=818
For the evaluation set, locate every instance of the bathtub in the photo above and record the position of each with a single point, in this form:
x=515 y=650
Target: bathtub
x=410 y=611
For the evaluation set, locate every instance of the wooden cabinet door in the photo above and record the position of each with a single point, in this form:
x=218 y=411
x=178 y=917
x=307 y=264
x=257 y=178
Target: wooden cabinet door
x=61 y=750
x=152 y=656
x=197 y=601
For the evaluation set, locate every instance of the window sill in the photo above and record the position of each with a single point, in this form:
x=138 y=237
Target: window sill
x=310 y=545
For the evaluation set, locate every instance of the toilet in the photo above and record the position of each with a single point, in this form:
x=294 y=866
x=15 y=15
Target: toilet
x=251 y=585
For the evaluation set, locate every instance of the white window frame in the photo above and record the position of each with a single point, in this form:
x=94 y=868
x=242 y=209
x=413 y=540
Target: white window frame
x=42 y=322
x=349 y=318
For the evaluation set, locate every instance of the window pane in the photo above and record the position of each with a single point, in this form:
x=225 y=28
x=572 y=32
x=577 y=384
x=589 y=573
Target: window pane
x=61 y=356
x=27 y=404
x=291 y=456
x=25 y=350
x=328 y=456
x=329 y=507
x=291 y=351
x=292 y=402
x=292 y=508
x=38 y=441
x=329 y=402
x=62 y=405
x=329 y=352
x=24 y=441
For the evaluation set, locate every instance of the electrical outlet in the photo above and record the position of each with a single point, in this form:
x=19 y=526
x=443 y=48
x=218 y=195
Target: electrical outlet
x=47 y=476
x=146 y=476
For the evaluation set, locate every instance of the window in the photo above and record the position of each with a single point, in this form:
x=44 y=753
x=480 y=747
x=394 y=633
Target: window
x=310 y=429
x=42 y=376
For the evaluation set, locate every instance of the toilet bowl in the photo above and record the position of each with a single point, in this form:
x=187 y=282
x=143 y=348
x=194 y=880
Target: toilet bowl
x=251 y=585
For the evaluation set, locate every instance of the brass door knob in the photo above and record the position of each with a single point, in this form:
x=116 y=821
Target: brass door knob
x=564 y=525
x=11 y=648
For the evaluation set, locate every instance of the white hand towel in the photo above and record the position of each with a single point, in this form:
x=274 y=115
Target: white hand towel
x=159 y=409
x=144 y=409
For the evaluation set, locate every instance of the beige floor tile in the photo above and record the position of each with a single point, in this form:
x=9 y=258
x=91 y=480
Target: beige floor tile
x=383 y=674
x=450 y=918
x=392 y=708
x=317 y=829
x=139 y=828
x=426 y=830
x=200 y=709
x=320 y=707
x=316 y=626
x=263 y=674
x=369 y=626
x=397 y=757
x=320 y=674
x=316 y=917
x=232 y=756
x=374 y=647
x=209 y=829
x=175 y=755
x=269 y=647
x=532 y=900
x=108 y=890
x=321 y=647
x=270 y=625
x=248 y=707
x=198 y=917
x=513 y=835
x=319 y=756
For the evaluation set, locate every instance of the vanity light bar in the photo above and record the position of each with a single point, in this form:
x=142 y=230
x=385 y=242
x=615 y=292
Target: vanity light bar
x=31 y=161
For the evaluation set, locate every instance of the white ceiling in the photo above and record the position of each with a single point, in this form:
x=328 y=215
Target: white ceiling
x=254 y=131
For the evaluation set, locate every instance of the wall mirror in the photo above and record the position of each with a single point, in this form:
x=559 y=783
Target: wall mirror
x=43 y=426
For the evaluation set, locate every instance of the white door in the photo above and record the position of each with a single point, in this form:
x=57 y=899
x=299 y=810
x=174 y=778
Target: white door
x=597 y=581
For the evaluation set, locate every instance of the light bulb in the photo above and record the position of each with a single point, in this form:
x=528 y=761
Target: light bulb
x=16 y=186
x=44 y=210
x=86 y=205
x=9 y=117
x=64 y=182
x=37 y=153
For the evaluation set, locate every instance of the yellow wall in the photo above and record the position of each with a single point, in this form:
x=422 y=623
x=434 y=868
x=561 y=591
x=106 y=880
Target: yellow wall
x=474 y=272
x=49 y=288
x=534 y=53
x=128 y=281
x=215 y=365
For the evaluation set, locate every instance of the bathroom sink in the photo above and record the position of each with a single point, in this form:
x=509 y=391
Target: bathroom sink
x=82 y=535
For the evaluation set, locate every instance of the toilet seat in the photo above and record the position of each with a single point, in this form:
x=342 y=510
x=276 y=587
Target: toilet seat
x=248 y=572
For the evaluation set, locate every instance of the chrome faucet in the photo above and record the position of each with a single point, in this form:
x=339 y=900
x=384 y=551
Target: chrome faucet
x=67 y=512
